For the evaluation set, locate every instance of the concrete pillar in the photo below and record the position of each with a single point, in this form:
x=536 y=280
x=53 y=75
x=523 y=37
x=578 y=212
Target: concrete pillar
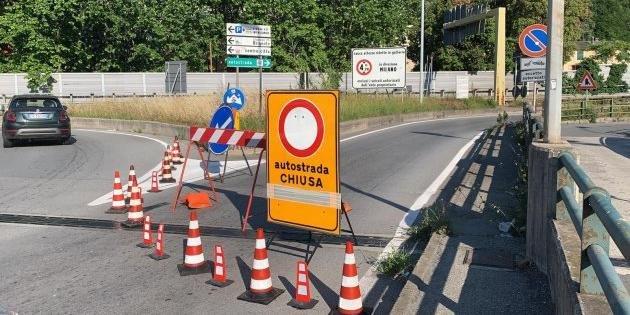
x=542 y=197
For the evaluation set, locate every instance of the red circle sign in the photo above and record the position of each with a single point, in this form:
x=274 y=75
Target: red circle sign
x=301 y=128
x=364 y=67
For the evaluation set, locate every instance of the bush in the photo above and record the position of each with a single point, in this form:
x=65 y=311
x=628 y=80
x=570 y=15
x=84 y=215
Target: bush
x=394 y=263
x=434 y=220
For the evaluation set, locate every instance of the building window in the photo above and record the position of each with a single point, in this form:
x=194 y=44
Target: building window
x=580 y=54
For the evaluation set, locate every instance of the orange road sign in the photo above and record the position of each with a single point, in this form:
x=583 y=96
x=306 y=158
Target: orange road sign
x=303 y=160
x=587 y=83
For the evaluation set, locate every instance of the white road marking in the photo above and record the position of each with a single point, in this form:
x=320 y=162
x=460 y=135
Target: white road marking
x=114 y=132
x=370 y=277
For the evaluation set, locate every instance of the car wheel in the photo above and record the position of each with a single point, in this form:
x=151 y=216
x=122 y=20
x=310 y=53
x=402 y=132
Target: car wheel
x=6 y=143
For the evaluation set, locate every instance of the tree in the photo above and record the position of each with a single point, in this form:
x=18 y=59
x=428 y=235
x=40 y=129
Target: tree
x=610 y=19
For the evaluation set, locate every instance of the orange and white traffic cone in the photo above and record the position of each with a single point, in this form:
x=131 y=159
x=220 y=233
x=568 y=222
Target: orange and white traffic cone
x=147 y=237
x=131 y=178
x=260 y=287
x=219 y=276
x=154 y=183
x=159 y=254
x=194 y=261
x=350 y=293
x=302 y=299
x=176 y=155
x=118 y=196
x=135 y=214
x=167 y=176
x=169 y=150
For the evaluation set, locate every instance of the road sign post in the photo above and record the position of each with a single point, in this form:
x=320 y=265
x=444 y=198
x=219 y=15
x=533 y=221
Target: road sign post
x=303 y=160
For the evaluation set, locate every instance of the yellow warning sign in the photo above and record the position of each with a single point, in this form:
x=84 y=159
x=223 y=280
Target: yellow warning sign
x=303 y=159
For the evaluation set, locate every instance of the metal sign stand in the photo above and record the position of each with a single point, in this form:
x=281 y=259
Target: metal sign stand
x=180 y=184
x=222 y=173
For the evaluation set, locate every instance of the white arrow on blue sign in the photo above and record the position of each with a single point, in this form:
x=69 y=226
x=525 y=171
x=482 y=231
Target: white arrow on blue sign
x=222 y=119
x=235 y=98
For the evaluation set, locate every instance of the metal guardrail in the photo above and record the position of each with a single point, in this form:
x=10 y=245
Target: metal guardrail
x=596 y=221
x=596 y=108
x=533 y=127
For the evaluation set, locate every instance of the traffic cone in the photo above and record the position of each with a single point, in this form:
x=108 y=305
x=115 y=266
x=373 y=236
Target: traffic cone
x=118 y=196
x=302 y=299
x=350 y=293
x=169 y=150
x=194 y=261
x=167 y=176
x=159 y=254
x=260 y=288
x=219 y=277
x=131 y=178
x=135 y=215
x=177 y=157
x=154 y=183
x=147 y=237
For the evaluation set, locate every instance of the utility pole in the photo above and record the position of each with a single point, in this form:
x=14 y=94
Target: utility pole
x=422 y=51
x=553 y=82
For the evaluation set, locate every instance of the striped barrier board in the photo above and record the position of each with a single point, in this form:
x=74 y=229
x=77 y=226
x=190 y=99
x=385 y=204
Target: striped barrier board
x=242 y=138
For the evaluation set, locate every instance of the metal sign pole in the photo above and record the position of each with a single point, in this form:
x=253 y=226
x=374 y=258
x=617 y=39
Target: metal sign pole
x=237 y=71
x=260 y=84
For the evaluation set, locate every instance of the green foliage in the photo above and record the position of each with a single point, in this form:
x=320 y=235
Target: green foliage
x=434 y=220
x=607 y=50
x=615 y=83
x=611 y=19
x=394 y=263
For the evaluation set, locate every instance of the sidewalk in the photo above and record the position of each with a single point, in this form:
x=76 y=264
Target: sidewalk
x=606 y=159
x=477 y=269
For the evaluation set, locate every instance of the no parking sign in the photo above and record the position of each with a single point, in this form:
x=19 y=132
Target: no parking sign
x=303 y=160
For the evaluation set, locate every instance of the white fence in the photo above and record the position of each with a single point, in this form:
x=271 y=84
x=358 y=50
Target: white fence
x=149 y=83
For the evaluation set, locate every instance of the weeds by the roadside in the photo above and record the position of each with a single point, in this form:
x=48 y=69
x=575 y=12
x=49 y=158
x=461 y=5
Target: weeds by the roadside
x=434 y=220
x=394 y=263
x=197 y=110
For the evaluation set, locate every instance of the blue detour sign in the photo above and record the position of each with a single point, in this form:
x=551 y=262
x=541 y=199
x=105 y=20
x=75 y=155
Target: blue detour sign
x=235 y=98
x=533 y=40
x=221 y=119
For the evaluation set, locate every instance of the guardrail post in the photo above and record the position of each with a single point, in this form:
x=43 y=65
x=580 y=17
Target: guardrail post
x=593 y=232
x=71 y=98
x=611 y=108
x=92 y=97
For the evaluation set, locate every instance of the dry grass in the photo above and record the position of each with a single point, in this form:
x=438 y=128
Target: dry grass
x=197 y=110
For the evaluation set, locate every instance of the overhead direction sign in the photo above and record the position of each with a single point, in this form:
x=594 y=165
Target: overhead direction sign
x=248 y=41
x=249 y=50
x=587 y=83
x=303 y=160
x=250 y=30
x=222 y=119
x=533 y=40
x=379 y=68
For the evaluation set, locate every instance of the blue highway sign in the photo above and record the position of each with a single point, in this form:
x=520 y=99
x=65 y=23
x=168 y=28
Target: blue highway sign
x=235 y=98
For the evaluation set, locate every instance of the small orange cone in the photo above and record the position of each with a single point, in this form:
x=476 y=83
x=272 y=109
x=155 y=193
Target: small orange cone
x=158 y=254
x=154 y=183
x=118 y=196
x=167 y=176
x=194 y=261
x=131 y=178
x=302 y=299
x=260 y=287
x=135 y=214
x=147 y=237
x=219 y=277
x=350 y=294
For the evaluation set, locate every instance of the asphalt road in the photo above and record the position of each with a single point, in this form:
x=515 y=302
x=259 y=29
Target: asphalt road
x=56 y=269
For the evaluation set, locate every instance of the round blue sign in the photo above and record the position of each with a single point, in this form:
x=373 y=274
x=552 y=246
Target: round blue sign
x=533 y=40
x=235 y=98
x=222 y=119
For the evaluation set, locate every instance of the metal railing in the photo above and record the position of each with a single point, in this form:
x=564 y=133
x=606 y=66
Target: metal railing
x=592 y=109
x=533 y=127
x=596 y=221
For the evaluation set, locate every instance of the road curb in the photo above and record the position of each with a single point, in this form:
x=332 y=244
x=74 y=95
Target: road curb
x=346 y=127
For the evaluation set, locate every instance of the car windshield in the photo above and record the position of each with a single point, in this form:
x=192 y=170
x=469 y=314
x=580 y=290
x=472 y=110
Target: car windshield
x=35 y=103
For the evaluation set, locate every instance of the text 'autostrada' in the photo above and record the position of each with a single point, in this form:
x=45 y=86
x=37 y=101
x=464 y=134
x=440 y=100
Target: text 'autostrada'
x=311 y=178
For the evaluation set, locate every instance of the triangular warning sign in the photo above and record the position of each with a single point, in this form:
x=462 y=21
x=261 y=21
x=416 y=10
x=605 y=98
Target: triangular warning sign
x=587 y=82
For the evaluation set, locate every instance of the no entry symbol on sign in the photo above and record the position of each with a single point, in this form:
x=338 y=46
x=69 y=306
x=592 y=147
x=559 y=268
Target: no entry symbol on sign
x=301 y=128
x=364 y=67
